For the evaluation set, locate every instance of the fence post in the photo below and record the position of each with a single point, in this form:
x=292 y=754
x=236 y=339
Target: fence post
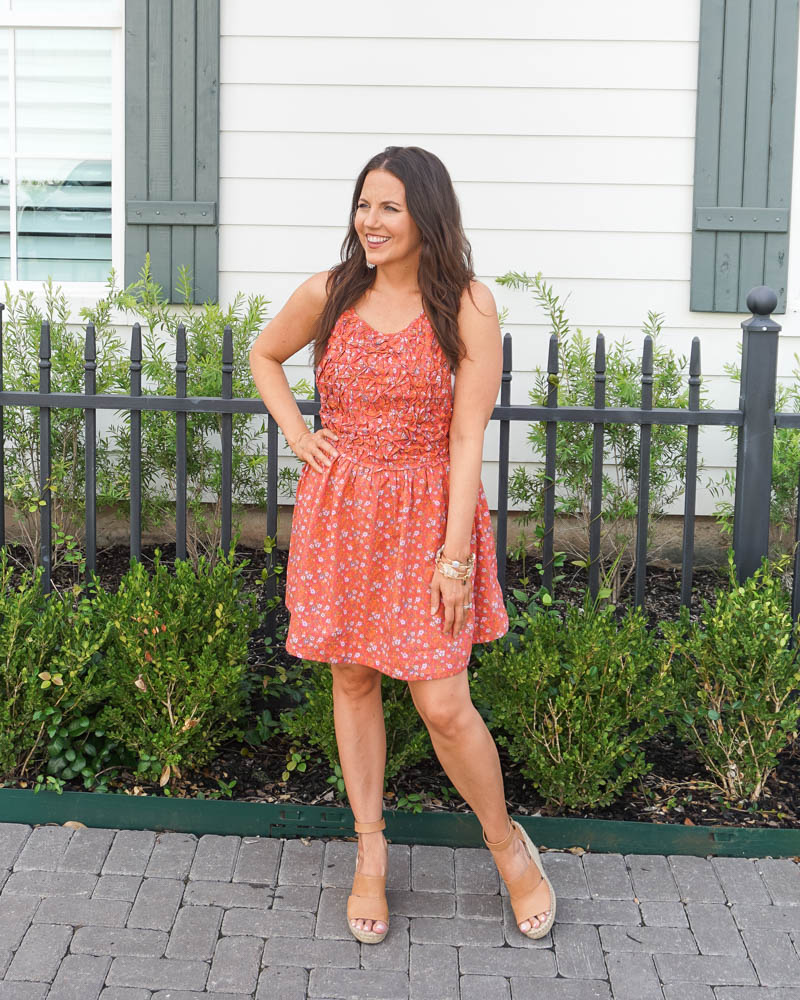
x=754 y=451
x=501 y=541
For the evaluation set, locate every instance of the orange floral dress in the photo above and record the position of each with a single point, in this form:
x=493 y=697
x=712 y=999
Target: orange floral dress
x=365 y=530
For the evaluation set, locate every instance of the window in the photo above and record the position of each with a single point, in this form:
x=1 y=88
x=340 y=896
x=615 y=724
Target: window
x=57 y=139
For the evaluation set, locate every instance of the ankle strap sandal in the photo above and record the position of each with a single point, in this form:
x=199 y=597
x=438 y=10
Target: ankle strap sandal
x=379 y=824
x=522 y=888
x=367 y=901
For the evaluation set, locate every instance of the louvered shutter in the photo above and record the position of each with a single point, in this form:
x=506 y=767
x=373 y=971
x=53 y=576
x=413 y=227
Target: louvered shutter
x=172 y=142
x=743 y=151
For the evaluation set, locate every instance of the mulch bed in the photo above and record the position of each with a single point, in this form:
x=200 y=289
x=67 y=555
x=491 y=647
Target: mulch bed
x=675 y=790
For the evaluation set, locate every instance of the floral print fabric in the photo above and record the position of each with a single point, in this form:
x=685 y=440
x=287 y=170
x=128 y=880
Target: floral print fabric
x=365 y=530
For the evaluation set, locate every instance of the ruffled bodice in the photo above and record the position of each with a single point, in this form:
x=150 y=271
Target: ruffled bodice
x=388 y=397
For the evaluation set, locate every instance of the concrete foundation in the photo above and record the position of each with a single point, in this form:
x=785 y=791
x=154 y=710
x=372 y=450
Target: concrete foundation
x=665 y=549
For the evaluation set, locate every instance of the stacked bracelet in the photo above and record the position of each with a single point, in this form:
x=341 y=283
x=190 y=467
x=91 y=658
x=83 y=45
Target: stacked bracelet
x=454 y=568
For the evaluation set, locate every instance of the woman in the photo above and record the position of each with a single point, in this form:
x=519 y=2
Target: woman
x=391 y=565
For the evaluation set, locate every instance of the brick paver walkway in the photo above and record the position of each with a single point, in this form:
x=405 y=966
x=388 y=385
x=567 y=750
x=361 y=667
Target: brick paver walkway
x=135 y=915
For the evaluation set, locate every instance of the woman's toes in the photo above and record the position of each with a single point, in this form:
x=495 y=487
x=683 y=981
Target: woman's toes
x=534 y=922
x=360 y=924
x=368 y=925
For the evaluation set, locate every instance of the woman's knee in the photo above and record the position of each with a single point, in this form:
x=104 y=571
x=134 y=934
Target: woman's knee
x=354 y=680
x=447 y=712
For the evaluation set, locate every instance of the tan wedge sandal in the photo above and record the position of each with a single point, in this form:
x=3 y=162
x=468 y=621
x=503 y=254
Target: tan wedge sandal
x=367 y=901
x=522 y=888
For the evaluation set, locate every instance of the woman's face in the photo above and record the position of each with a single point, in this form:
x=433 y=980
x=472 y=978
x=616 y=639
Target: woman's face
x=383 y=223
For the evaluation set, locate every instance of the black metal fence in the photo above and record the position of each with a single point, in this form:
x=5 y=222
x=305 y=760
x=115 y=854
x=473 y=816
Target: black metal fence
x=755 y=418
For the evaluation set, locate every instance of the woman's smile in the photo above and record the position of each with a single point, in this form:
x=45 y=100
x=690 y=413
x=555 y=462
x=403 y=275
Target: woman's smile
x=382 y=203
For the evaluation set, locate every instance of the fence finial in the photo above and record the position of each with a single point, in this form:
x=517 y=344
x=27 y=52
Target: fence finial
x=762 y=300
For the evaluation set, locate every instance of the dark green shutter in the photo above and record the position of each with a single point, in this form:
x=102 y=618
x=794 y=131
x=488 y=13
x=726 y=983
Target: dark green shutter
x=743 y=151
x=172 y=142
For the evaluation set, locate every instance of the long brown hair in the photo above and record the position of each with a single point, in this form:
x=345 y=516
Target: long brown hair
x=445 y=260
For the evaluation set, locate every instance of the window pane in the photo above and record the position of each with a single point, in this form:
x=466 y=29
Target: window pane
x=64 y=219
x=4 y=36
x=63 y=100
x=5 y=218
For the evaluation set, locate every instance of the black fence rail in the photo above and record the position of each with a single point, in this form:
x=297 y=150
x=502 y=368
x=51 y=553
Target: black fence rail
x=755 y=418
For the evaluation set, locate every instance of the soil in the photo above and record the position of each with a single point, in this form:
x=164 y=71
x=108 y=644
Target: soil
x=676 y=789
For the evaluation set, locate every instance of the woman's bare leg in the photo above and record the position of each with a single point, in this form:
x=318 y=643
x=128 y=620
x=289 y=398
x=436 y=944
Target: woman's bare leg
x=361 y=739
x=467 y=752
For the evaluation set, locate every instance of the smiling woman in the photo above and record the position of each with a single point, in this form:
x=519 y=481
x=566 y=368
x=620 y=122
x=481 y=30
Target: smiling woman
x=383 y=221
x=405 y=215
x=392 y=564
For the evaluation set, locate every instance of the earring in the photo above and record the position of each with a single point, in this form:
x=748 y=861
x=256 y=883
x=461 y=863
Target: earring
x=370 y=266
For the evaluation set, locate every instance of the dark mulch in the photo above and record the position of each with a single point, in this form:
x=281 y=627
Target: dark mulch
x=675 y=790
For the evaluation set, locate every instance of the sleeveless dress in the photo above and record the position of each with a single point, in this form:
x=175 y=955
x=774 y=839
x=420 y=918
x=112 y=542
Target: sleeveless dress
x=366 y=529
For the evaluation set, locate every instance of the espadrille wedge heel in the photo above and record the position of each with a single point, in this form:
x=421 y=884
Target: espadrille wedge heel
x=522 y=890
x=367 y=901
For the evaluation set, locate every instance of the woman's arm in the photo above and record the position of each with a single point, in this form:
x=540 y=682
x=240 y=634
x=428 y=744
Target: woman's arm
x=476 y=388
x=290 y=330
x=477 y=384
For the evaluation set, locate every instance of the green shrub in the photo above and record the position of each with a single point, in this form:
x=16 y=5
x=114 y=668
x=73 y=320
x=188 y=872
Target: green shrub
x=21 y=334
x=50 y=665
x=175 y=660
x=76 y=747
x=573 y=700
x=204 y=333
x=407 y=739
x=737 y=675
x=573 y=483
x=204 y=328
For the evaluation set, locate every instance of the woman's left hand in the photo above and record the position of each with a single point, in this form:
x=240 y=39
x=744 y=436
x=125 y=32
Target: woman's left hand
x=453 y=595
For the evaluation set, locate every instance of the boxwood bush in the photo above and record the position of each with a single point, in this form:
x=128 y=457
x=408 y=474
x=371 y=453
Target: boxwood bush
x=738 y=672
x=175 y=661
x=574 y=698
x=50 y=672
x=155 y=671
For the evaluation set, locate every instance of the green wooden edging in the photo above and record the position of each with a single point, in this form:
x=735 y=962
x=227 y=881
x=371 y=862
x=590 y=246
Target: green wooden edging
x=201 y=816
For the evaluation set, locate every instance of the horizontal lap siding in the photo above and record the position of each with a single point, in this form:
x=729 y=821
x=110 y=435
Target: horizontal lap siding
x=629 y=20
x=568 y=130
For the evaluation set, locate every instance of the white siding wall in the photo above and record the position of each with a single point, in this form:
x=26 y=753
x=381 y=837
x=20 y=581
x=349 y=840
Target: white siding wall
x=567 y=126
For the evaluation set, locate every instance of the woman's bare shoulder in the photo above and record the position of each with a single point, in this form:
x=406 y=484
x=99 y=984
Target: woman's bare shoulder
x=314 y=290
x=477 y=300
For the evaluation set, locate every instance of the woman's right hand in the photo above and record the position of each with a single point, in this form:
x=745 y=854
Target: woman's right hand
x=315 y=448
